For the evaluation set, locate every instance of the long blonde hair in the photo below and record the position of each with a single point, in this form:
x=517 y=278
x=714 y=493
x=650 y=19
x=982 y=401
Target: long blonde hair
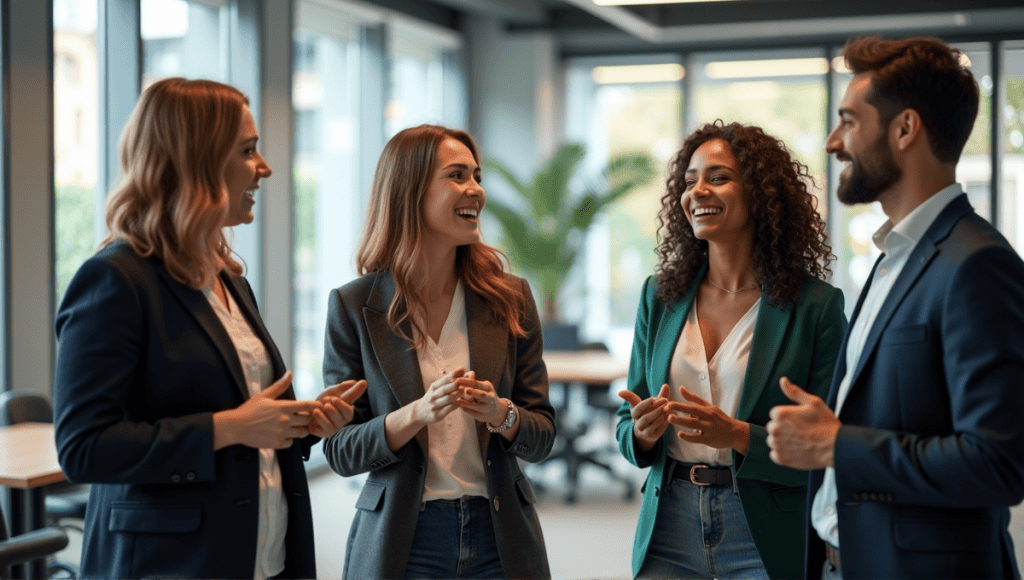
x=393 y=237
x=172 y=200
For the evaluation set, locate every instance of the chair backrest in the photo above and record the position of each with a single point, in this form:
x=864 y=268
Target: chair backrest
x=24 y=407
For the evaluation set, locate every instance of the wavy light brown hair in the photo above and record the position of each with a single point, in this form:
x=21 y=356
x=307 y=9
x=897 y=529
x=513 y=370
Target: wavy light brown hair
x=393 y=237
x=172 y=200
x=790 y=238
x=925 y=75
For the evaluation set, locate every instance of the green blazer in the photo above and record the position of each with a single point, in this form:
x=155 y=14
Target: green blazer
x=800 y=341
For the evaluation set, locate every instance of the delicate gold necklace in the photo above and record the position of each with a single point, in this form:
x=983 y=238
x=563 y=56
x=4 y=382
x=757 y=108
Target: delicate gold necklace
x=737 y=291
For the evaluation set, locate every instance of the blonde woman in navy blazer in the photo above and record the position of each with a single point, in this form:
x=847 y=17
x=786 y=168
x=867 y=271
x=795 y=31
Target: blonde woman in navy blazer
x=167 y=381
x=743 y=256
x=445 y=496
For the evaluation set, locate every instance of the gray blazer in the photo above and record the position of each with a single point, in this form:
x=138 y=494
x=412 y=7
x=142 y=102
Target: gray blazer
x=360 y=344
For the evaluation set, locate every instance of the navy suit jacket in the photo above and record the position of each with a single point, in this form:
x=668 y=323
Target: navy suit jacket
x=931 y=450
x=144 y=363
x=360 y=344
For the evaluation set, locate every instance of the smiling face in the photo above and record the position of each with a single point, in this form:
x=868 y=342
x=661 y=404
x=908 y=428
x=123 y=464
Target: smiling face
x=861 y=142
x=242 y=172
x=713 y=200
x=454 y=198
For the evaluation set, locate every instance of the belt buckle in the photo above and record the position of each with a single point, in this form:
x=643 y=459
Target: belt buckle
x=693 y=475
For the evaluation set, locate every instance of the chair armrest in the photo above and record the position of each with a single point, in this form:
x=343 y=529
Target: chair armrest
x=31 y=546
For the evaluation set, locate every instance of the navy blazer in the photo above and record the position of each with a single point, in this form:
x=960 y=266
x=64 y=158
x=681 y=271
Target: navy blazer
x=931 y=451
x=361 y=345
x=144 y=363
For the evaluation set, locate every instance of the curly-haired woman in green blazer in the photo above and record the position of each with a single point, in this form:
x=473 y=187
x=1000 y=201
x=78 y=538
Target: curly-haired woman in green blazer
x=738 y=302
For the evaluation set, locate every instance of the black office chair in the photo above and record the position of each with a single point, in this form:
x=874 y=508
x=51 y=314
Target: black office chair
x=63 y=500
x=34 y=545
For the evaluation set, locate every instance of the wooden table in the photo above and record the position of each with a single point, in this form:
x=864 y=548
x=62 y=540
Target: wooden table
x=28 y=462
x=573 y=370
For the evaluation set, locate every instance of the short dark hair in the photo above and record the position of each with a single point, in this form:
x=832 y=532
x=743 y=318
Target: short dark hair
x=923 y=74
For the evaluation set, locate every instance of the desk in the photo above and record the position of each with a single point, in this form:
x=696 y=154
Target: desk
x=573 y=370
x=28 y=463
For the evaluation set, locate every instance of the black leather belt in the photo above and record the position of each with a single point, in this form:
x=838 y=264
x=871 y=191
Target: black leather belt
x=702 y=474
x=832 y=553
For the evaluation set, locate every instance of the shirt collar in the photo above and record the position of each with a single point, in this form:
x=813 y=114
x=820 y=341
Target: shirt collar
x=891 y=237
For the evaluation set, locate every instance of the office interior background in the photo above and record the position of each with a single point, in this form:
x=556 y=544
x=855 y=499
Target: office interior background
x=331 y=80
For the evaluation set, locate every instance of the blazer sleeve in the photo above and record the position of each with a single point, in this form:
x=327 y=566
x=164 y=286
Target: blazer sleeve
x=981 y=463
x=829 y=328
x=362 y=445
x=100 y=328
x=536 y=434
x=637 y=382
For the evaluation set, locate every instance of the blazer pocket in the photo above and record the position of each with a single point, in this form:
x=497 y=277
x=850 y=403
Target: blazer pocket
x=790 y=499
x=154 y=519
x=371 y=497
x=525 y=490
x=943 y=536
x=905 y=334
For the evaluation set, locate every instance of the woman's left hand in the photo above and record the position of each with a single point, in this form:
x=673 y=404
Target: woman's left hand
x=481 y=402
x=709 y=425
x=335 y=409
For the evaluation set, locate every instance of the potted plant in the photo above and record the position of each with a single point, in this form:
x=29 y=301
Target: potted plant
x=545 y=228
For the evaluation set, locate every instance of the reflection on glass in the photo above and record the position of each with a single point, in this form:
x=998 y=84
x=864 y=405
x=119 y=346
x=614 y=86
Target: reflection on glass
x=76 y=126
x=325 y=89
x=182 y=38
x=1011 y=185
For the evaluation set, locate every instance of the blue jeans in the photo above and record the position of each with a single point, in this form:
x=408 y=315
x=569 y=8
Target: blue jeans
x=455 y=539
x=700 y=532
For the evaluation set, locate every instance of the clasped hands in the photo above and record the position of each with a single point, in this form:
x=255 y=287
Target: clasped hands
x=707 y=424
x=456 y=390
x=264 y=421
x=801 y=436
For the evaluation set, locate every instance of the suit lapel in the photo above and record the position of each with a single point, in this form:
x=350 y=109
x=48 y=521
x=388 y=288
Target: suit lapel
x=668 y=335
x=771 y=326
x=196 y=304
x=917 y=262
x=395 y=355
x=488 y=341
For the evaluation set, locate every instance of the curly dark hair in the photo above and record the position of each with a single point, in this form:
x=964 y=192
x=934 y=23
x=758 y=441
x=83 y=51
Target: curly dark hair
x=790 y=238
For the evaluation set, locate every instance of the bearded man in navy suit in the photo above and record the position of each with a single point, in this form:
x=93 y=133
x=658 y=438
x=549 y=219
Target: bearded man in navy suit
x=919 y=451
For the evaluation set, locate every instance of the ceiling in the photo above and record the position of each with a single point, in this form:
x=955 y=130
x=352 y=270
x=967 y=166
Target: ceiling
x=583 y=28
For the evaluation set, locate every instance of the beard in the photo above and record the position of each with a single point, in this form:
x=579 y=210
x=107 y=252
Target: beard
x=871 y=176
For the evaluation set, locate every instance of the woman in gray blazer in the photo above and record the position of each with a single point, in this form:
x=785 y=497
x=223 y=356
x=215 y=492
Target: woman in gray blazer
x=450 y=347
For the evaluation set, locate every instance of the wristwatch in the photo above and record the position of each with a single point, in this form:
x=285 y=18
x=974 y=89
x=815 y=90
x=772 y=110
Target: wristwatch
x=510 y=419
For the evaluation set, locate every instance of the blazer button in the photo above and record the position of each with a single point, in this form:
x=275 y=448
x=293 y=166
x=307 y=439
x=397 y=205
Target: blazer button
x=497 y=506
x=488 y=463
x=175 y=478
x=419 y=469
x=190 y=476
x=657 y=491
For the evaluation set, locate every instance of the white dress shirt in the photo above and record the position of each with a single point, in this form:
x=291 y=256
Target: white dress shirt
x=897 y=241
x=273 y=517
x=718 y=381
x=455 y=467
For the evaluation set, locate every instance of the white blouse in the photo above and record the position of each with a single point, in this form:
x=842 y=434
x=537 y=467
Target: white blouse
x=455 y=467
x=256 y=366
x=719 y=381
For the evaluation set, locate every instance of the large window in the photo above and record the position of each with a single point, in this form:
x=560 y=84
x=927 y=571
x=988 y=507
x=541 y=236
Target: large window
x=184 y=38
x=617 y=107
x=426 y=80
x=1011 y=211
x=78 y=220
x=328 y=203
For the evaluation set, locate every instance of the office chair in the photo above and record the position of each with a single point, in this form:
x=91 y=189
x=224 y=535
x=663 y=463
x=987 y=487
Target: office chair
x=33 y=545
x=64 y=500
